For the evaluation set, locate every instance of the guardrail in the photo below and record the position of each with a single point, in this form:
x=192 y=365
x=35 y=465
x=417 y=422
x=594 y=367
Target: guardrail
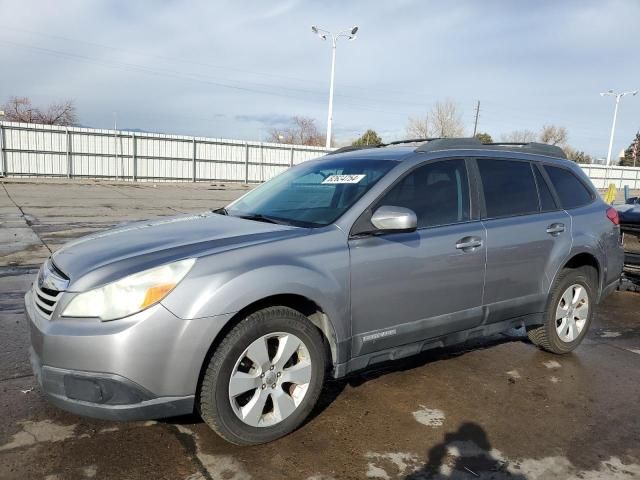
x=42 y=150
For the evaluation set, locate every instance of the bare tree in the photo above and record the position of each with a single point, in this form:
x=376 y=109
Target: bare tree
x=577 y=156
x=63 y=113
x=419 y=127
x=302 y=132
x=553 y=135
x=20 y=109
x=519 y=136
x=444 y=120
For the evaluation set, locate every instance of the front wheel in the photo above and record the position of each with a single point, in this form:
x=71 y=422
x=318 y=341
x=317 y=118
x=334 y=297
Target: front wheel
x=264 y=378
x=568 y=313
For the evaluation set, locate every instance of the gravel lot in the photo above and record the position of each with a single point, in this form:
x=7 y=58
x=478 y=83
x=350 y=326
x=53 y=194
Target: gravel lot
x=499 y=408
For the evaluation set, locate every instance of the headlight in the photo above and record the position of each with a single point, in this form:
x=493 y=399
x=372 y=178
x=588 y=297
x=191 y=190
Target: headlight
x=130 y=294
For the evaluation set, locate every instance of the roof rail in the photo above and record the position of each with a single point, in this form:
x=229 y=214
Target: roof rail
x=449 y=144
x=351 y=148
x=433 y=144
x=464 y=143
x=534 y=147
x=410 y=140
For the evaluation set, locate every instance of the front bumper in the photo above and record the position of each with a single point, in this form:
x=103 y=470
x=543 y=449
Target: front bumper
x=142 y=367
x=109 y=397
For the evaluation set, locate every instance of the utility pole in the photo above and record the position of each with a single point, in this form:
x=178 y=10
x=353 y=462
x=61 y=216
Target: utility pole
x=475 y=125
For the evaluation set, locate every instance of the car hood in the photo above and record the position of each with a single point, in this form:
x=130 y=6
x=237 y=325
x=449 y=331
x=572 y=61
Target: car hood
x=109 y=255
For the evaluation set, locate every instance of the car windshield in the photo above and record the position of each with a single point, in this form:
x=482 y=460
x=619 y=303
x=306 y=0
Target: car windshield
x=313 y=194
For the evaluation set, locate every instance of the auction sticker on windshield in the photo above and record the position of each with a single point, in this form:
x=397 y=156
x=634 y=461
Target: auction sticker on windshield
x=333 y=179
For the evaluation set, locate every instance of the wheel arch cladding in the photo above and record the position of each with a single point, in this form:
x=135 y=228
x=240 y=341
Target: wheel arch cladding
x=300 y=303
x=586 y=259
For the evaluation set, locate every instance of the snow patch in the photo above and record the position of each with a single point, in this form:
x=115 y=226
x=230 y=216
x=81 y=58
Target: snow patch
x=217 y=466
x=387 y=466
x=431 y=417
x=90 y=471
x=551 y=364
x=514 y=374
x=610 y=334
x=37 y=432
x=399 y=464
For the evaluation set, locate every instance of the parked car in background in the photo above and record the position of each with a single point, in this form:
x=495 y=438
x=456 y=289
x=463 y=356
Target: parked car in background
x=629 y=214
x=362 y=256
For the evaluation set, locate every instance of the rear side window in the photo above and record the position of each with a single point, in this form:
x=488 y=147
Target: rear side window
x=509 y=188
x=438 y=193
x=546 y=198
x=571 y=191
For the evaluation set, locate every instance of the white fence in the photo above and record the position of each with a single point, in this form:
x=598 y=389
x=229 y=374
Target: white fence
x=44 y=150
x=602 y=176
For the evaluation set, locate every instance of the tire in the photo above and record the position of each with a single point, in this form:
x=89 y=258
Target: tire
x=547 y=336
x=276 y=327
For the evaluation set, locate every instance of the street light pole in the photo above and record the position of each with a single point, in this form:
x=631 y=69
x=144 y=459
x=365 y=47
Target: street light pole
x=618 y=96
x=333 y=75
x=350 y=35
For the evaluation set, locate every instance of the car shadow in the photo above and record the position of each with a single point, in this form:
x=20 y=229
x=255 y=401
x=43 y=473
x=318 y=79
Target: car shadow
x=333 y=388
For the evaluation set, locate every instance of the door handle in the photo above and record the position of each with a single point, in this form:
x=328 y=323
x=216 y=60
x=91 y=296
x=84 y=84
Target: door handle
x=468 y=244
x=555 y=229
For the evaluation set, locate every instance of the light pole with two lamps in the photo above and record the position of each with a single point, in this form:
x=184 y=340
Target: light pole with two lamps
x=611 y=93
x=323 y=34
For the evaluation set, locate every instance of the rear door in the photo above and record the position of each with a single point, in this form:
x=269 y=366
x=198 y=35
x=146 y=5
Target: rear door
x=406 y=287
x=528 y=235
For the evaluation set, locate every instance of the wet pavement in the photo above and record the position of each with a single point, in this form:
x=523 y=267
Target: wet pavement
x=497 y=408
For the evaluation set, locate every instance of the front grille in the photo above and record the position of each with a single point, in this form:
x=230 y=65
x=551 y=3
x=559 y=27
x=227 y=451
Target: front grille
x=48 y=288
x=46 y=300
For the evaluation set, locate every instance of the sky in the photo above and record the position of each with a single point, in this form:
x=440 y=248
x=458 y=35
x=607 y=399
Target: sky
x=237 y=69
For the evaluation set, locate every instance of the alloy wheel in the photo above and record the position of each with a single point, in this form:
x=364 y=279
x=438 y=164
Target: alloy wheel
x=572 y=312
x=270 y=379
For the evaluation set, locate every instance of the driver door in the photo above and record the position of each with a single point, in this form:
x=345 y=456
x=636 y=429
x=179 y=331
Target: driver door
x=413 y=286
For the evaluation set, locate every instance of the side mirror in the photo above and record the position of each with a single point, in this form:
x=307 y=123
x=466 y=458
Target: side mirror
x=394 y=219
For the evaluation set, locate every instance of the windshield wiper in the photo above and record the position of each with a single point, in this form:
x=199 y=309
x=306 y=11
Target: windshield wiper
x=261 y=218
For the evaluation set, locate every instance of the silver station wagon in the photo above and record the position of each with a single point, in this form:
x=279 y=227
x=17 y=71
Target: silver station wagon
x=362 y=256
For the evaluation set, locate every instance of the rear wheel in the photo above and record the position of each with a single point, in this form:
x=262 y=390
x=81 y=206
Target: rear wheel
x=264 y=378
x=568 y=313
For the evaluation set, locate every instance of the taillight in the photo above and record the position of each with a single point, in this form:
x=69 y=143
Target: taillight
x=612 y=214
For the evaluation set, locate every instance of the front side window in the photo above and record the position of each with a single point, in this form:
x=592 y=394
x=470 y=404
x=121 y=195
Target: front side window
x=438 y=193
x=509 y=188
x=571 y=191
x=313 y=194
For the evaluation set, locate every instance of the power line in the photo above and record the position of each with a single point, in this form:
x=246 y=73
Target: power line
x=201 y=79
x=210 y=65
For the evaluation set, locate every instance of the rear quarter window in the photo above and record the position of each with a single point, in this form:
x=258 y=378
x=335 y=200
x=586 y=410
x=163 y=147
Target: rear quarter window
x=571 y=191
